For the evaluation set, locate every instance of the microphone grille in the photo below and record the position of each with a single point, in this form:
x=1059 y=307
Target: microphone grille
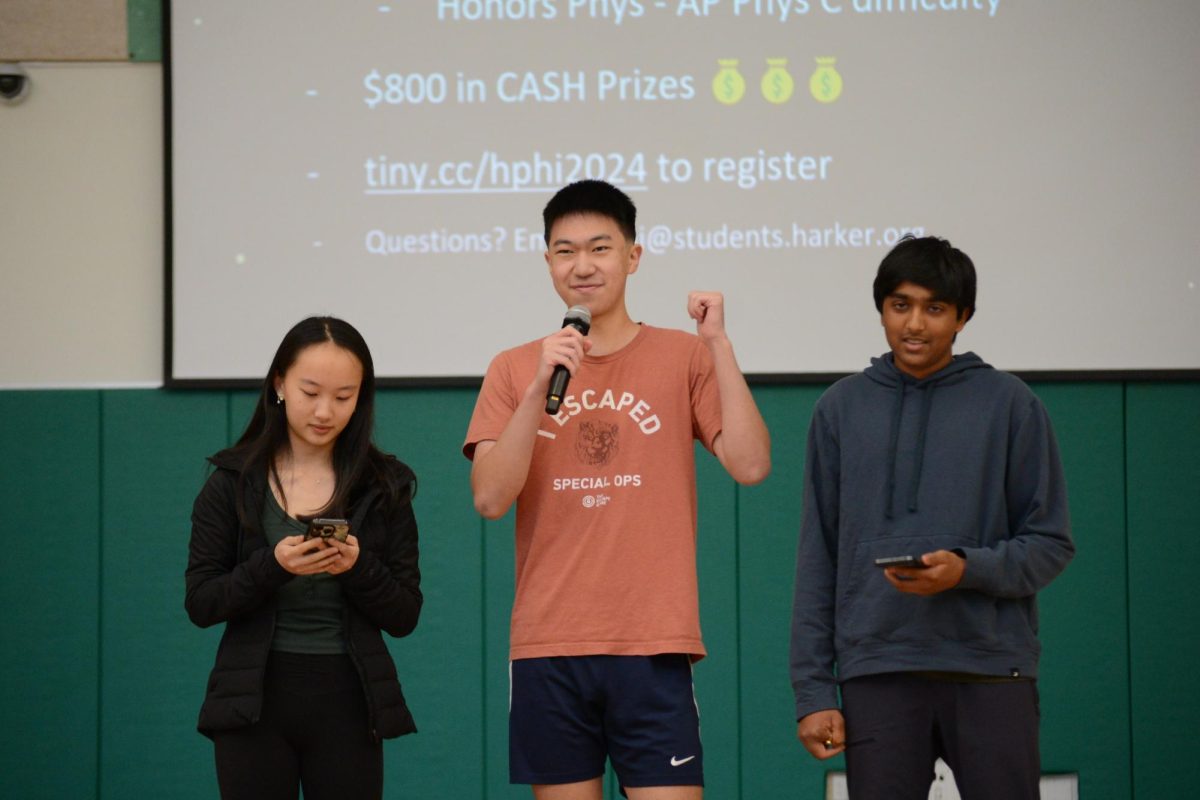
x=580 y=313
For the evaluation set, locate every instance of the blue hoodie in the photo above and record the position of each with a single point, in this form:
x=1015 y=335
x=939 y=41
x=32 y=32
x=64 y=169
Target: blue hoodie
x=965 y=460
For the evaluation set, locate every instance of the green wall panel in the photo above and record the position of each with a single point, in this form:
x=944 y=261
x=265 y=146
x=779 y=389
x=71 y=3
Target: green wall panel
x=104 y=642
x=50 y=493
x=499 y=563
x=1083 y=618
x=440 y=663
x=716 y=675
x=239 y=408
x=773 y=763
x=1164 y=547
x=154 y=663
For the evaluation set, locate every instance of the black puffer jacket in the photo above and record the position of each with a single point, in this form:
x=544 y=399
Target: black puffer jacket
x=232 y=576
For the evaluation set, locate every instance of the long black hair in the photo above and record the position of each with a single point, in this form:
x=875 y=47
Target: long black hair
x=357 y=463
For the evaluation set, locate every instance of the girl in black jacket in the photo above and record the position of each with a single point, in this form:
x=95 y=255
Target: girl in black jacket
x=304 y=689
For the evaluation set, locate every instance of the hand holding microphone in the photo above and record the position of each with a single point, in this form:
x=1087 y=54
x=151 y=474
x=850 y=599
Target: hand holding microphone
x=579 y=318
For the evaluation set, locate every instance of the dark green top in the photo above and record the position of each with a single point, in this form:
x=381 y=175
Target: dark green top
x=310 y=607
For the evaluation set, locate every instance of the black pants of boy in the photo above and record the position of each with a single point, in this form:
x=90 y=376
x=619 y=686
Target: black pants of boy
x=899 y=724
x=313 y=732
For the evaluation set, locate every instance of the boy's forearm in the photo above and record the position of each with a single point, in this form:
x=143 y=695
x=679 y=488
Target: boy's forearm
x=745 y=442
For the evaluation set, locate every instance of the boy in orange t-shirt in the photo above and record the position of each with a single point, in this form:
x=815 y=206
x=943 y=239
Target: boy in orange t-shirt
x=605 y=621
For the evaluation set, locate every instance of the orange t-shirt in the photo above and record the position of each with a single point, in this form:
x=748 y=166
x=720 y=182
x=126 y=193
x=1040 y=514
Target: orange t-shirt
x=606 y=521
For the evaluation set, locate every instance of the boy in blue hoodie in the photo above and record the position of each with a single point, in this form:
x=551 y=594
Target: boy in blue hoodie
x=946 y=459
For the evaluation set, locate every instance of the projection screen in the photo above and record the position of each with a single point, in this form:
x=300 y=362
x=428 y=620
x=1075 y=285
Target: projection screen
x=388 y=163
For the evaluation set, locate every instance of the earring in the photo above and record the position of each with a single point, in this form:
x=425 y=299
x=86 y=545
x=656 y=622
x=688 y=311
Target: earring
x=279 y=399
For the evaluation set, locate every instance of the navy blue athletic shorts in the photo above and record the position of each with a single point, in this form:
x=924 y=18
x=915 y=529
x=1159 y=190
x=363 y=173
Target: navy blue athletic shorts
x=568 y=713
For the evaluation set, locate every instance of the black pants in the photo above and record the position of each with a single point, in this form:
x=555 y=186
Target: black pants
x=898 y=724
x=313 y=732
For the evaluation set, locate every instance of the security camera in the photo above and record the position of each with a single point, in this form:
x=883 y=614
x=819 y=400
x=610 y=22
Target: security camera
x=14 y=83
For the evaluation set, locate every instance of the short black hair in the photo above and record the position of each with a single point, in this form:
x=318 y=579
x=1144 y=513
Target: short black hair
x=933 y=264
x=592 y=197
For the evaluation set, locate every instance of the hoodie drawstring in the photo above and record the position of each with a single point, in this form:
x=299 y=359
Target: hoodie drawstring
x=926 y=404
x=897 y=411
x=894 y=441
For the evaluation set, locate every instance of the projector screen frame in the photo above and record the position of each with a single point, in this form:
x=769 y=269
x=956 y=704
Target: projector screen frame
x=172 y=382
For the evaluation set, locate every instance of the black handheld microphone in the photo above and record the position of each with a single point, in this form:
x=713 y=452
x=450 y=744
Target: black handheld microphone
x=579 y=318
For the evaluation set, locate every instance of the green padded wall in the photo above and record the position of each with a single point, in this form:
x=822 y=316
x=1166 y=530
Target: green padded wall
x=1084 y=674
x=104 y=674
x=499 y=559
x=51 y=495
x=716 y=675
x=441 y=664
x=772 y=762
x=1163 y=436
x=154 y=662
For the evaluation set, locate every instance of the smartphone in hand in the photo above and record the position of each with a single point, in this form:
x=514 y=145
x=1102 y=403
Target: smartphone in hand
x=914 y=562
x=337 y=529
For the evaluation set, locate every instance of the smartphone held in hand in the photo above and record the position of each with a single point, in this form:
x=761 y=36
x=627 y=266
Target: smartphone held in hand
x=337 y=529
x=914 y=562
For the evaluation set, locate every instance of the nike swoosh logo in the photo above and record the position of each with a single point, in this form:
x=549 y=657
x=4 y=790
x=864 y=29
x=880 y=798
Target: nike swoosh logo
x=675 y=762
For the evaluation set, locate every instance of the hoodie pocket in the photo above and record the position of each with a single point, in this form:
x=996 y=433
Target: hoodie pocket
x=871 y=609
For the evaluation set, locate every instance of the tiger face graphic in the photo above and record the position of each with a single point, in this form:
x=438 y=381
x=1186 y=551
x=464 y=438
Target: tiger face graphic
x=596 y=443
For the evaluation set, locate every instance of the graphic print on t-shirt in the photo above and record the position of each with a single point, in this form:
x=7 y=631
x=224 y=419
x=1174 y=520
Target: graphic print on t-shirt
x=597 y=442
